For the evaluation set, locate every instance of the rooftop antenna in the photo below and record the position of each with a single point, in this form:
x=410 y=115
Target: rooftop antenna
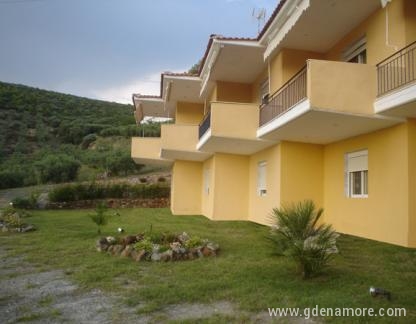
x=259 y=14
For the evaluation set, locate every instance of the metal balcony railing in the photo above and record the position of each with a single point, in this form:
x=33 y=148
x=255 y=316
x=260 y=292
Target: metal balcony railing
x=291 y=93
x=205 y=124
x=397 y=70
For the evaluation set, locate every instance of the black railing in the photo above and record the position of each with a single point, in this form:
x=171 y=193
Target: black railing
x=397 y=70
x=292 y=92
x=205 y=124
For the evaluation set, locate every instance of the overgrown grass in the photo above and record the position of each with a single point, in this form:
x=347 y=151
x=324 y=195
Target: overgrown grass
x=245 y=273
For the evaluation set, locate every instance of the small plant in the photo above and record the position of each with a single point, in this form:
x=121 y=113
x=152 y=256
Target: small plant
x=145 y=244
x=100 y=217
x=298 y=235
x=193 y=242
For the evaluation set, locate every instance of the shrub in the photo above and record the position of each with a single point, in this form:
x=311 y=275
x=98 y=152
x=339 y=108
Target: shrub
x=25 y=203
x=298 y=236
x=145 y=244
x=94 y=190
x=100 y=218
x=11 y=179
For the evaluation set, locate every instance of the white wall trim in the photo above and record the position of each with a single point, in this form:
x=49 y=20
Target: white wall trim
x=396 y=98
x=298 y=110
x=203 y=139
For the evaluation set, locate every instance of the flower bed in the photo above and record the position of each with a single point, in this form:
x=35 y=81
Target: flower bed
x=158 y=247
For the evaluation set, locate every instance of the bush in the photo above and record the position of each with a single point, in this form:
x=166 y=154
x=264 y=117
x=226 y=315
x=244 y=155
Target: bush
x=57 y=168
x=25 y=203
x=11 y=179
x=298 y=236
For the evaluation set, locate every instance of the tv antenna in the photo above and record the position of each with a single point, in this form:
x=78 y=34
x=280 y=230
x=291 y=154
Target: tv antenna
x=259 y=14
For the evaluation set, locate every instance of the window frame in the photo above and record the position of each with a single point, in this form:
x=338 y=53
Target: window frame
x=262 y=178
x=349 y=175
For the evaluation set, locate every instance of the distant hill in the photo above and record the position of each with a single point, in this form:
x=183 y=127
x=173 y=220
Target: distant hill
x=48 y=137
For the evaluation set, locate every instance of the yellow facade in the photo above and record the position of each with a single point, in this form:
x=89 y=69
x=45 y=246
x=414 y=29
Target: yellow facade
x=189 y=113
x=224 y=185
x=186 y=188
x=387 y=205
x=260 y=207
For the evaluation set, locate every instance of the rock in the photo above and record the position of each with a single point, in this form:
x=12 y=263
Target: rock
x=118 y=248
x=156 y=248
x=213 y=246
x=183 y=237
x=5 y=229
x=139 y=237
x=139 y=255
x=127 y=251
x=111 y=240
x=155 y=256
x=206 y=252
x=166 y=256
x=102 y=244
x=43 y=200
x=175 y=246
x=130 y=239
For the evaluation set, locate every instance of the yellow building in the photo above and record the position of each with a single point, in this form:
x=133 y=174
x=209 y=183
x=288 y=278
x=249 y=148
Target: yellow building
x=321 y=105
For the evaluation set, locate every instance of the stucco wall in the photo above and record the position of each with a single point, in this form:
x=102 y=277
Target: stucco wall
x=231 y=187
x=412 y=181
x=374 y=27
x=234 y=92
x=260 y=207
x=301 y=173
x=189 y=113
x=384 y=214
x=186 y=188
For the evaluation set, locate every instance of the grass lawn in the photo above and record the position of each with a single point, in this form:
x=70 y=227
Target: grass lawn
x=246 y=273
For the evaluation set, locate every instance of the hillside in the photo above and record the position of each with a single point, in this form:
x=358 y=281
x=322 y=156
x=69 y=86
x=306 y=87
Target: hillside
x=50 y=137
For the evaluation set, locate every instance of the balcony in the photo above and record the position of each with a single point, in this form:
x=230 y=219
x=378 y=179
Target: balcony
x=231 y=128
x=146 y=150
x=324 y=102
x=396 y=81
x=178 y=142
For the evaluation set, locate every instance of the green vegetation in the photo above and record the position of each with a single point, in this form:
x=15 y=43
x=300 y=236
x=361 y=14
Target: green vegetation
x=245 y=273
x=298 y=236
x=49 y=137
x=100 y=217
x=93 y=190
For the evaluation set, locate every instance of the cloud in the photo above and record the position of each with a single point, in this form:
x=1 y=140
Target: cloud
x=149 y=85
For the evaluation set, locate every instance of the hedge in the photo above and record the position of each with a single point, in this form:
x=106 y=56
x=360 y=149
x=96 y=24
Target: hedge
x=91 y=191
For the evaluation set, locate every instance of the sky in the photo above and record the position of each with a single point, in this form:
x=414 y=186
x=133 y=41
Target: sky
x=109 y=49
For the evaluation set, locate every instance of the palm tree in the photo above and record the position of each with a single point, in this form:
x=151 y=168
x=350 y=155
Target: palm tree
x=299 y=235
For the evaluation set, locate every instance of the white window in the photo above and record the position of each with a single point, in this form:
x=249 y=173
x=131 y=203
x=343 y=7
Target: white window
x=264 y=92
x=207 y=176
x=356 y=175
x=356 y=52
x=261 y=178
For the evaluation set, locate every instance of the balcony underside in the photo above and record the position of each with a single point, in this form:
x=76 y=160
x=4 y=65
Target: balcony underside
x=399 y=103
x=231 y=145
x=161 y=162
x=304 y=123
x=184 y=155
